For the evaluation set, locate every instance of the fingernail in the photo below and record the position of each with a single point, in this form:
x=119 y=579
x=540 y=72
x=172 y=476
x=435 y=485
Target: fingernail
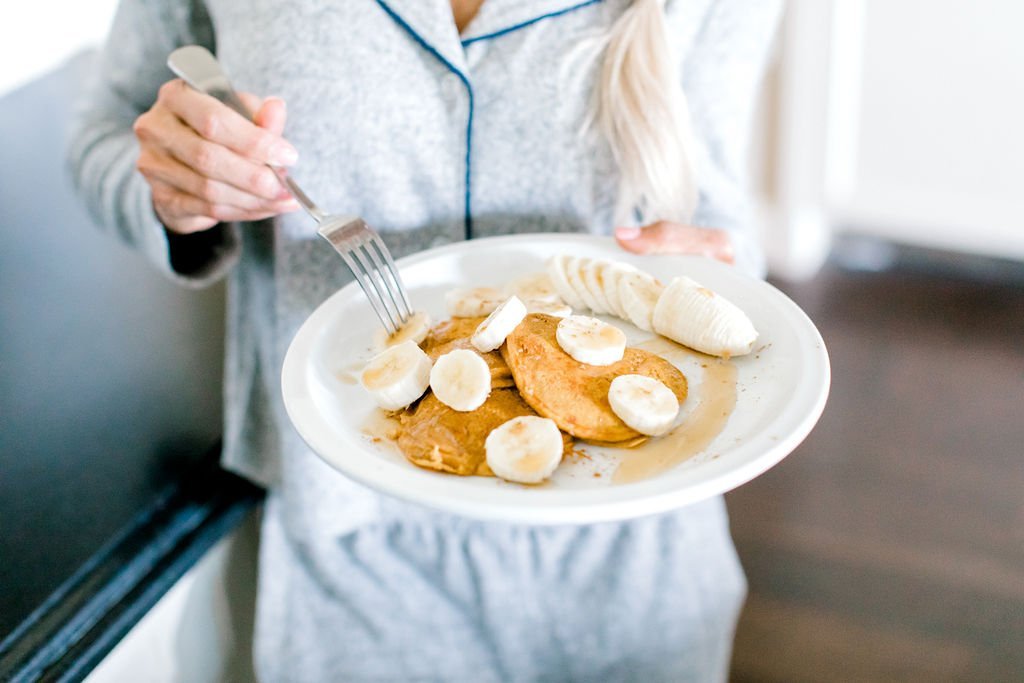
x=627 y=233
x=283 y=154
x=284 y=194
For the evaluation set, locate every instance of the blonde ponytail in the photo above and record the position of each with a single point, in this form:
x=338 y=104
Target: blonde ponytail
x=642 y=112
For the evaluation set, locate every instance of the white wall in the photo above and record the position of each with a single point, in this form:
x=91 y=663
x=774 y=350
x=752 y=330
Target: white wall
x=898 y=119
x=940 y=145
x=37 y=35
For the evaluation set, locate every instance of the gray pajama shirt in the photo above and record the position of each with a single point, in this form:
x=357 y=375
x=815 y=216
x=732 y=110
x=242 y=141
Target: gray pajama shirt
x=433 y=137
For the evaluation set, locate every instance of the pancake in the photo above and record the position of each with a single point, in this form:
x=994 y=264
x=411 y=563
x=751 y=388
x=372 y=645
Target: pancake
x=450 y=330
x=436 y=437
x=574 y=394
x=454 y=334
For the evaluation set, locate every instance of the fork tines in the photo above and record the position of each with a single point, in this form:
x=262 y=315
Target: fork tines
x=370 y=262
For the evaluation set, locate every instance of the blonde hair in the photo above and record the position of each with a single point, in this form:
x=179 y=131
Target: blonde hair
x=642 y=112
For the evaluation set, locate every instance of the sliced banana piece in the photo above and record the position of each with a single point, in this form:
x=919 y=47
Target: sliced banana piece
x=398 y=376
x=534 y=287
x=461 y=380
x=473 y=302
x=415 y=329
x=557 y=271
x=574 y=274
x=643 y=403
x=610 y=276
x=525 y=449
x=697 y=317
x=592 y=274
x=558 y=310
x=590 y=340
x=491 y=333
x=639 y=293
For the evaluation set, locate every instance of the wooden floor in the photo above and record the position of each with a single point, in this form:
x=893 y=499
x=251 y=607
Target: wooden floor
x=890 y=545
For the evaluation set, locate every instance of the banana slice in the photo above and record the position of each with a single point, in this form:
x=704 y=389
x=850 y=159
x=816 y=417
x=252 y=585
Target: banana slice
x=491 y=333
x=398 y=376
x=461 y=380
x=592 y=274
x=639 y=293
x=643 y=403
x=590 y=340
x=574 y=274
x=557 y=271
x=472 y=303
x=525 y=449
x=703 y=320
x=415 y=329
x=534 y=287
x=558 y=310
x=610 y=276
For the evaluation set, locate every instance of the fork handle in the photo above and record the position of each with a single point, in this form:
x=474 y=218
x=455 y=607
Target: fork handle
x=198 y=67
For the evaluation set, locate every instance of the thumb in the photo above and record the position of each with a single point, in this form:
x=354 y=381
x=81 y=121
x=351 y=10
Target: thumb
x=647 y=240
x=665 y=237
x=271 y=115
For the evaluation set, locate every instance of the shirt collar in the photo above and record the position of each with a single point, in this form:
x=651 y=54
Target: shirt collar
x=431 y=23
x=502 y=16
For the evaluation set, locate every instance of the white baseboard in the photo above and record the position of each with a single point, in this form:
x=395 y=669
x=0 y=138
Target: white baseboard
x=796 y=243
x=201 y=630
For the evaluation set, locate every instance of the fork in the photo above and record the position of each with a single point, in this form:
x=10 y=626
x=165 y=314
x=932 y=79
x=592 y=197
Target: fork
x=360 y=246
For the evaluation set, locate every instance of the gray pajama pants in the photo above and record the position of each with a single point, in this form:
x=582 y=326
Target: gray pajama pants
x=416 y=595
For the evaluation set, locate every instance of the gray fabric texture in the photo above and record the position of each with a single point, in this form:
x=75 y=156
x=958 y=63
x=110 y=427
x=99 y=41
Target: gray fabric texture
x=433 y=137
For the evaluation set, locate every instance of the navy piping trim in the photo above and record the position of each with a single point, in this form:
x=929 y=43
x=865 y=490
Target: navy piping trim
x=516 y=27
x=469 y=89
x=469 y=150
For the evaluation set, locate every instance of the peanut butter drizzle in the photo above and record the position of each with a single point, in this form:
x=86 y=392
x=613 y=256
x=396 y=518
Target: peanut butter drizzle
x=382 y=426
x=717 y=399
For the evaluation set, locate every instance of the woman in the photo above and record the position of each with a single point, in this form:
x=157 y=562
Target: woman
x=435 y=122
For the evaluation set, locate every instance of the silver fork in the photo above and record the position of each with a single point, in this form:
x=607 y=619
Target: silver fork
x=360 y=246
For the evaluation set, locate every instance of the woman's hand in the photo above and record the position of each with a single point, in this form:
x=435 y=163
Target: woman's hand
x=664 y=237
x=206 y=164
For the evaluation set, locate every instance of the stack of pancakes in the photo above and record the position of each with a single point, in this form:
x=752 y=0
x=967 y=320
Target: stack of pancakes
x=530 y=375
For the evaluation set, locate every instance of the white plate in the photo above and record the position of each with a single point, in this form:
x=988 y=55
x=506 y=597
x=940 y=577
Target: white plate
x=781 y=391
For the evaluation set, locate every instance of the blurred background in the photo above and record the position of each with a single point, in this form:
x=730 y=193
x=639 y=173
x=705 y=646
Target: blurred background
x=887 y=165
